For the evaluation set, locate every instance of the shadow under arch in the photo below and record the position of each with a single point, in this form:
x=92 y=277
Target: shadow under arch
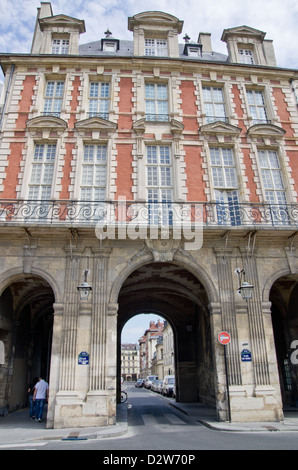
x=147 y=258
x=171 y=290
x=26 y=316
x=15 y=274
x=271 y=280
x=283 y=295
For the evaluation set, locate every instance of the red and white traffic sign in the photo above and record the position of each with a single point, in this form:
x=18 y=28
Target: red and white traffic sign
x=224 y=337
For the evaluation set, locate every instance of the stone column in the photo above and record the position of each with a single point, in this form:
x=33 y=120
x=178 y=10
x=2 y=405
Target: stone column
x=97 y=400
x=70 y=323
x=229 y=323
x=256 y=326
x=99 y=320
x=266 y=394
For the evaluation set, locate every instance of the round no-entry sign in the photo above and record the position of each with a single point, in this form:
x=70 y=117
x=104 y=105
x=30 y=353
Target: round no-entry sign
x=224 y=337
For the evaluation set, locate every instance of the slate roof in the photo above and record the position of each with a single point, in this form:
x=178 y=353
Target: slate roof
x=126 y=50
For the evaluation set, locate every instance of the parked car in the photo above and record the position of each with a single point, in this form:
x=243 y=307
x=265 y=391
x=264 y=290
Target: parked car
x=140 y=383
x=168 y=385
x=149 y=380
x=154 y=385
x=158 y=386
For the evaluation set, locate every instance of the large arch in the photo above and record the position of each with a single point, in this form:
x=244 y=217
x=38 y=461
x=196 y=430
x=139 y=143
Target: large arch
x=182 y=259
x=26 y=323
x=284 y=309
x=172 y=291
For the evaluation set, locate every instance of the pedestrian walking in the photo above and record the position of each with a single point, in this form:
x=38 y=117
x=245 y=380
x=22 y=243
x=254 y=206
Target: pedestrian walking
x=41 y=394
x=30 y=396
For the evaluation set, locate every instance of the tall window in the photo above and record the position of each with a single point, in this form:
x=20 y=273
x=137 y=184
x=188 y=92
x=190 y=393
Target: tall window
x=156 y=47
x=94 y=170
x=60 y=46
x=99 y=98
x=214 y=104
x=225 y=184
x=273 y=185
x=159 y=184
x=246 y=56
x=257 y=106
x=156 y=98
x=53 y=98
x=272 y=177
x=40 y=186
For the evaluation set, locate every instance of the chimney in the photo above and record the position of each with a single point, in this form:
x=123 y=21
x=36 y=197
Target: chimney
x=44 y=11
x=205 y=40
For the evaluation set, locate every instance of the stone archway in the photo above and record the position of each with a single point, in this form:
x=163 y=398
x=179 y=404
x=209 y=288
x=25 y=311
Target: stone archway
x=26 y=315
x=284 y=310
x=169 y=289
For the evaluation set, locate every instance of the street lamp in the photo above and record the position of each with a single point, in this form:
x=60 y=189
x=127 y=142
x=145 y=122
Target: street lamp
x=84 y=289
x=245 y=289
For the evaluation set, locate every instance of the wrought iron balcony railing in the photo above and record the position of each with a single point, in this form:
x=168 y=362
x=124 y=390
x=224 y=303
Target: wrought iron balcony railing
x=100 y=115
x=210 y=119
x=157 y=117
x=159 y=214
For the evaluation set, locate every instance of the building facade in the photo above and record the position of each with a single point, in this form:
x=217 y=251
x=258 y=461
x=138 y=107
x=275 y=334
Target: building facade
x=148 y=343
x=154 y=171
x=130 y=362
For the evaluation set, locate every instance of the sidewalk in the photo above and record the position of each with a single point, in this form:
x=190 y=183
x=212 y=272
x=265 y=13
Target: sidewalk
x=16 y=427
x=207 y=416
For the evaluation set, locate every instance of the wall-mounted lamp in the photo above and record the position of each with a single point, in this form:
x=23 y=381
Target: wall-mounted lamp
x=84 y=289
x=245 y=289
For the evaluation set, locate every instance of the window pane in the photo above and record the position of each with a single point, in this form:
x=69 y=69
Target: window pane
x=101 y=153
x=162 y=92
x=218 y=178
x=94 y=90
x=151 y=154
x=165 y=157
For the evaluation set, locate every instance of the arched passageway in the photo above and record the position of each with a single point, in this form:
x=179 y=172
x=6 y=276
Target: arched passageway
x=284 y=299
x=174 y=293
x=26 y=323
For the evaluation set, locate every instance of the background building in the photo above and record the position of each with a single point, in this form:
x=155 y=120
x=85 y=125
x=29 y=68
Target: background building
x=148 y=343
x=152 y=170
x=130 y=362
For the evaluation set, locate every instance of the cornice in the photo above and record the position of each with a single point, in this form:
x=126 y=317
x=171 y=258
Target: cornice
x=171 y=63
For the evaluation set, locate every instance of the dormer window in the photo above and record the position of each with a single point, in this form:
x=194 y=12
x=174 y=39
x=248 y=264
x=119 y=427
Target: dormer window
x=246 y=56
x=155 y=34
x=191 y=48
x=193 y=51
x=247 y=45
x=109 y=44
x=60 y=46
x=156 y=47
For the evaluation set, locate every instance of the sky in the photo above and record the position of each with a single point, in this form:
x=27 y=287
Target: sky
x=279 y=19
x=136 y=326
